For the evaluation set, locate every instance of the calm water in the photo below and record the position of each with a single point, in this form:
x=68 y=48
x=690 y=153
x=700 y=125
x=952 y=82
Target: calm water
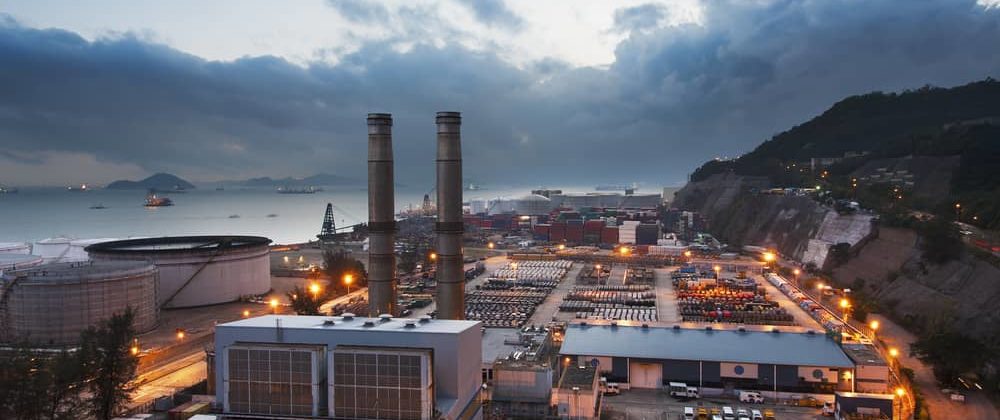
x=38 y=213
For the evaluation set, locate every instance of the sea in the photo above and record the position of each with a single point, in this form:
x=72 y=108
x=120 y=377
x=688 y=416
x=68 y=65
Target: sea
x=33 y=214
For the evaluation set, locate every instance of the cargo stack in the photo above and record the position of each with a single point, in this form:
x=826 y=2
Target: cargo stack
x=541 y=232
x=557 y=232
x=609 y=235
x=592 y=231
x=627 y=232
x=574 y=230
x=647 y=234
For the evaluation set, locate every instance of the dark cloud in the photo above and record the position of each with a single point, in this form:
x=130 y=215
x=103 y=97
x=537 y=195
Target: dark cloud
x=642 y=17
x=493 y=12
x=673 y=98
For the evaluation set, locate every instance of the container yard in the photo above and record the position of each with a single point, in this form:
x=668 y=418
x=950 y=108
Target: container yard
x=510 y=295
x=741 y=301
x=612 y=302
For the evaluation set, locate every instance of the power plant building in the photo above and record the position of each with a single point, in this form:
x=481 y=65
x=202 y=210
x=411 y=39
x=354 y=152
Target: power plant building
x=52 y=304
x=348 y=367
x=197 y=270
x=606 y=200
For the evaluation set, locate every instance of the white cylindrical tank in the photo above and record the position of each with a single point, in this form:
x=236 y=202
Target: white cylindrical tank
x=51 y=304
x=477 y=206
x=15 y=248
x=532 y=205
x=77 y=248
x=51 y=249
x=10 y=262
x=198 y=270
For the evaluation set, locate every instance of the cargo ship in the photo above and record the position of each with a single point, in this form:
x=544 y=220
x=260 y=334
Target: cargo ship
x=81 y=188
x=153 y=201
x=290 y=190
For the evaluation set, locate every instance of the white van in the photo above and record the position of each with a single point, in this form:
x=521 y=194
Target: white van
x=755 y=415
x=682 y=390
x=688 y=413
x=728 y=414
x=751 y=397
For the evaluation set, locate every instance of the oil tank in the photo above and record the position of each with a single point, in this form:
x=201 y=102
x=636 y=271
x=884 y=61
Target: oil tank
x=197 y=270
x=51 y=304
x=9 y=262
x=14 y=248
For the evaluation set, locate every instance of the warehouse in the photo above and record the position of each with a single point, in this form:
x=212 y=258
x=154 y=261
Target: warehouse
x=649 y=357
x=52 y=304
x=348 y=367
x=197 y=270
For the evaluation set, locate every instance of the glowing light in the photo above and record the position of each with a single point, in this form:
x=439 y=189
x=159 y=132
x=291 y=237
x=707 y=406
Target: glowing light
x=847 y=375
x=844 y=303
x=434 y=256
x=873 y=325
x=490 y=245
x=769 y=256
x=246 y=313
x=893 y=352
x=717 y=269
x=687 y=254
x=348 y=279
x=796 y=271
x=623 y=250
x=562 y=247
x=900 y=392
x=314 y=288
x=598 y=267
x=273 y=303
x=134 y=350
x=820 y=286
x=180 y=334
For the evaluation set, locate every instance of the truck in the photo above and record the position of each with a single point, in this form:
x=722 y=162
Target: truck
x=751 y=397
x=682 y=390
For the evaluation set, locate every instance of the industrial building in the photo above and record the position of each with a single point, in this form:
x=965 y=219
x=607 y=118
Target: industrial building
x=871 y=372
x=606 y=200
x=348 y=367
x=713 y=360
x=52 y=304
x=197 y=270
x=14 y=248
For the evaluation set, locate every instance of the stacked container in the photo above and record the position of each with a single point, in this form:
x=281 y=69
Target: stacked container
x=574 y=230
x=627 y=232
x=647 y=234
x=609 y=235
x=557 y=232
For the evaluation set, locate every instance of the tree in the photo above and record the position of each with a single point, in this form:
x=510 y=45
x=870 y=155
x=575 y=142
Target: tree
x=339 y=263
x=939 y=241
x=307 y=302
x=105 y=355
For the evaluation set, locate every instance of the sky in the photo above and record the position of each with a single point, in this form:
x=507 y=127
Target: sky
x=551 y=92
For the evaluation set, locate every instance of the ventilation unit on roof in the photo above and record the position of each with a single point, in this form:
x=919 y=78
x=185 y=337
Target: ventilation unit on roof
x=410 y=324
x=347 y=316
x=677 y=327
x=425 y=319
x=369 y=324
x=385 y=318
x=328 y=323
x=741 y=329
x=775 y=330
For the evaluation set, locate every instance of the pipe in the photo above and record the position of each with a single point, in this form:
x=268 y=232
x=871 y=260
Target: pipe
x=450 y=267
x=381 y=217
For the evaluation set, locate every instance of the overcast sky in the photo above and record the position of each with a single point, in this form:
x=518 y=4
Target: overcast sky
x=551 y=91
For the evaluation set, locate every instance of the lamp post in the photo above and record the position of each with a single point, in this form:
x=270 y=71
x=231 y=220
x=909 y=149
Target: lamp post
x=874 y=327
x=274 y=305
x=348 y=279
x=846 y=306
x=900 y=392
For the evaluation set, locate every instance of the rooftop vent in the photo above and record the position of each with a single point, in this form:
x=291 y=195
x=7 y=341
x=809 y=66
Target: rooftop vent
x=614 y=324
x=425 y=319
x=369 y=324
x=583 y=323
x=775 y=330
x=742 y=329
x=384 y=318
x=708 y=328
x=645 y=325
x=328 y=323
x=677 y=327
x=410 y=324
x=347 y=316
x=811 y=332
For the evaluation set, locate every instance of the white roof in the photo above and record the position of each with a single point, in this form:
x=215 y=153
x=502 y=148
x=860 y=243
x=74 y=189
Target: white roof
x=440 y=326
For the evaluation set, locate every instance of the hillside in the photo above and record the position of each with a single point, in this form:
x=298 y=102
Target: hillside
x=309 y=181
x=160 y=181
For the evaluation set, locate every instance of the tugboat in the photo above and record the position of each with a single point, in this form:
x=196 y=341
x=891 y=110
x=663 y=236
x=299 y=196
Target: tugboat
x=98 y=206
x=153 y=201
x=291 y=190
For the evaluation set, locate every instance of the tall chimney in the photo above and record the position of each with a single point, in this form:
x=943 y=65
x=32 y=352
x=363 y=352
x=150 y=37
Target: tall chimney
x=450 y=272
x=381 y=217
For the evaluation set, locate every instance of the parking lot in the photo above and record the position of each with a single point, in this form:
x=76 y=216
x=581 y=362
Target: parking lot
x=648 y=404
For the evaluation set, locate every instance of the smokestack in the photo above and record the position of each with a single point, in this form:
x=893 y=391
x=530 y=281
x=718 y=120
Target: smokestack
x=381 y=217
x=450 y=272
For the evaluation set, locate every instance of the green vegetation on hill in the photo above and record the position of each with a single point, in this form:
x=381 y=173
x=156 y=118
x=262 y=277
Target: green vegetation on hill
x=937 y=123
x=160 y=181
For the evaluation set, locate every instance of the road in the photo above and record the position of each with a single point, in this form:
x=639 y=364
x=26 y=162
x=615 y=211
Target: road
x=977 y=406
x=170 y=378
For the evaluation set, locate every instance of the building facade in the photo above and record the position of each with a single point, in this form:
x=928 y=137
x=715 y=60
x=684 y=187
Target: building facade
x=348 y=367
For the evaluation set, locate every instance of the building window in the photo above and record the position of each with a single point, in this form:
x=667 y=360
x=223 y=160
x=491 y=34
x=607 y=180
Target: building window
x=380 y=384
x=270 y=381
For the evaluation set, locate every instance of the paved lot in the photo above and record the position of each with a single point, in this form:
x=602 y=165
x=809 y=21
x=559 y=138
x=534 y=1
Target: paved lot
x=640 y=404
x=802 y=318
x=549 y=309
x=667 y=311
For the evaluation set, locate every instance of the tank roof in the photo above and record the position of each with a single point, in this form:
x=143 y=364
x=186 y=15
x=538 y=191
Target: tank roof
x=81 y=271
x=170 y=244
x=13 y=259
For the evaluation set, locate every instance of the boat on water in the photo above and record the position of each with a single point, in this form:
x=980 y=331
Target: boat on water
x=152 y=200
x=81 y=188
x=7 y=190
x=473 y=187
x=98 y=206
x=292 y=190
x=272 y=215
x=234 y=216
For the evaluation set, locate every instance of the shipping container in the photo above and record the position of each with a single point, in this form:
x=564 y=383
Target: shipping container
x=609 y=235
x=647 y=234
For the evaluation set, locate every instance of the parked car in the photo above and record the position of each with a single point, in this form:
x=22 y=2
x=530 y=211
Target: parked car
x=755 y=415
x=751 y=397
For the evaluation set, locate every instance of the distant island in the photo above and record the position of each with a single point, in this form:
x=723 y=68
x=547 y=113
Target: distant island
x=309 y=181
x=160 y=182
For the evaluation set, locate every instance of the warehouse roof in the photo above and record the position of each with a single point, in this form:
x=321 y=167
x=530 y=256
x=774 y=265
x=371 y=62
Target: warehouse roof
x=782 y=348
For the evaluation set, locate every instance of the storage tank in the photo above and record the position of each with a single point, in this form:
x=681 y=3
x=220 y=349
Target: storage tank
x=197 y=270
x=15 y=248
x=51 y=249
x=51 y=304
x=10 y=262
x=532 y=204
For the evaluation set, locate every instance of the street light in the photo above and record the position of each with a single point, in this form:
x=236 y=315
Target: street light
x=796 y=272
x=314 y=289
x=348 y=279
x=873 y=325
x=845 y=305
x=490 y=245
x=562 y=247
x=687 y=254
x=246 y=313
x=274 y=305
x=180 y=334
x=769 y=256
x=717 y=269
x=135 y=347
x=434 y=256
x=893 y=352
x=623 y=250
